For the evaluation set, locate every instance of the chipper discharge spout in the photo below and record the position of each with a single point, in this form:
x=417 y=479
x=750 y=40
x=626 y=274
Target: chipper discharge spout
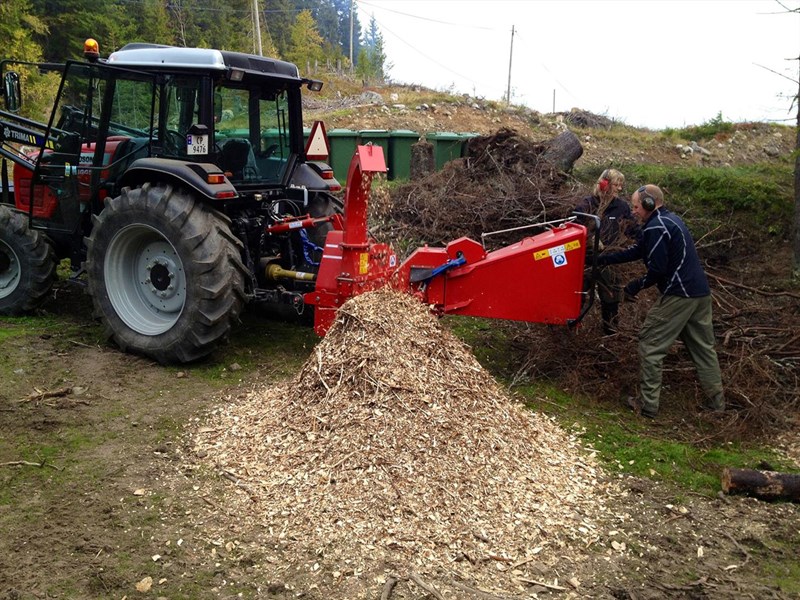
x=538 y=279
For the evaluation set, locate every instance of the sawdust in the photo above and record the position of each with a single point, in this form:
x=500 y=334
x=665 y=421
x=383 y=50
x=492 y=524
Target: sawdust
x=392 y=448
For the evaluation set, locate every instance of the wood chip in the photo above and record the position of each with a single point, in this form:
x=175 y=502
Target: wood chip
x=392 y=445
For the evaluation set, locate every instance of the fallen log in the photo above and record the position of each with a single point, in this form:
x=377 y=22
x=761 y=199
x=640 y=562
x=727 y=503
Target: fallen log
x=766 y=485
x=563 y=150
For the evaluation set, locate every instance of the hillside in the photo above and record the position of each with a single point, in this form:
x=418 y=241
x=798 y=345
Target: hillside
x=605 y=142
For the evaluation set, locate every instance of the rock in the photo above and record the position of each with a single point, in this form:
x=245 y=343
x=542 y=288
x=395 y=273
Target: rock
x=371 y=97
x=698 y=148
x=739 y=137
x=772 y=151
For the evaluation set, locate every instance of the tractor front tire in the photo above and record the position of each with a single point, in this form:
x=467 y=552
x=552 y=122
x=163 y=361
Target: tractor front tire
x=27 y=264
x=165 y=274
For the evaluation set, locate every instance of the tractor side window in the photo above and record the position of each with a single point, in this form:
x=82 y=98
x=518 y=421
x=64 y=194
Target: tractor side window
x=180 y=110
x=232 y=134
x=251 y=133
x=274 y=144
x=132 y=108
x=78 y=109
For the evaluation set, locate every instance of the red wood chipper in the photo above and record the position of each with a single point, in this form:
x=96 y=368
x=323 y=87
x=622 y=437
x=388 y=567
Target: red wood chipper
x=538 y=279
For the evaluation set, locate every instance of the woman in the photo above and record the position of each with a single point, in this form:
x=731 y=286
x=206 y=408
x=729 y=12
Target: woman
x=618 y=229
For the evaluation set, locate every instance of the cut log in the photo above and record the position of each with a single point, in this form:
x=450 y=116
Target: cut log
x=563 y=150
x=767 y=485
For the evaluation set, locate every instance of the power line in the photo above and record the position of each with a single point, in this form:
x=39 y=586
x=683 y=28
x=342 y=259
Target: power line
x=397 y=12
x=415 y=49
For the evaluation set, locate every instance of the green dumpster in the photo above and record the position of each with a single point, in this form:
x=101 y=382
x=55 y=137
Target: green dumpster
x=377 y=137
x=400 y=142
x=465 y=138
x=446 y=147
x=343 y=144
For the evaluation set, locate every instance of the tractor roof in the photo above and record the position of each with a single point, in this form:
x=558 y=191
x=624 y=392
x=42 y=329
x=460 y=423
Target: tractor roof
x=206 y=59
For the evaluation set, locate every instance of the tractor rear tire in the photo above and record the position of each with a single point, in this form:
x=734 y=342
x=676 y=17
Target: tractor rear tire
x=165 y=274
x=27 y=264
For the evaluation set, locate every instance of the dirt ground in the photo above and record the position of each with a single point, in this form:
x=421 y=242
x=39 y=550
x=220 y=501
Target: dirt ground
x=102 y=494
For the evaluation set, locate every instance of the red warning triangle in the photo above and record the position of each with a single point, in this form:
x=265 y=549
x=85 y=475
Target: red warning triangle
x=317 y=147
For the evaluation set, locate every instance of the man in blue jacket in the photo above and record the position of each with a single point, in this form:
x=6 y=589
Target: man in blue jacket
x=684 y=308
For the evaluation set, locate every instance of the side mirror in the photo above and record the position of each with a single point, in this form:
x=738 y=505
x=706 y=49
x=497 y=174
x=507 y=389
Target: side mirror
x=12 y=92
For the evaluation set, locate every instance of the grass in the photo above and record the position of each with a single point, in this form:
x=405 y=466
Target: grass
x=262 y=344
x=761 y=193
x=624 y=443
x=706 y=131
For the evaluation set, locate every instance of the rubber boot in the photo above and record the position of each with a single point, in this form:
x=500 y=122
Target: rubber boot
x=610 y=314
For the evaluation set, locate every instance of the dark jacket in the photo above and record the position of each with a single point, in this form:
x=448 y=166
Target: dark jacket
x=616 y=219
x=668 y=252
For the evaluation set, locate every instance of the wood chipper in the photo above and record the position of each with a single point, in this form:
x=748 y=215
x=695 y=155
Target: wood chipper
x=538 y=279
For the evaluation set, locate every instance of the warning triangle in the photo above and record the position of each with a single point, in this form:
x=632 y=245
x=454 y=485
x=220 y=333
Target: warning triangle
x=317 y=146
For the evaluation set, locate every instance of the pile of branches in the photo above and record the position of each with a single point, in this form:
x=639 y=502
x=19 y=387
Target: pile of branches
x=503 y=182
x=758 y=346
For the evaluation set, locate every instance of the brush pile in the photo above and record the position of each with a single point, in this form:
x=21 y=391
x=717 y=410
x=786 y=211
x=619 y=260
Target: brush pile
x=503 y=182
x=392 y=448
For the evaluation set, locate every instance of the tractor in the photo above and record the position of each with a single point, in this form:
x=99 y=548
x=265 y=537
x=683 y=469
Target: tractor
x=176 y=179
x=178 y=184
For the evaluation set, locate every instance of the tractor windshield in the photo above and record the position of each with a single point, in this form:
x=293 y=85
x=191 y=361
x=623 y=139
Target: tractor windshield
x=251 y=134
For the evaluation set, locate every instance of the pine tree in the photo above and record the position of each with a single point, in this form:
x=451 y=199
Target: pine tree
x=371 y=66
x=305 y=42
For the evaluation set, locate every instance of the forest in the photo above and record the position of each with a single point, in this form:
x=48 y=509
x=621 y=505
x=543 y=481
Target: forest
x=314 y=34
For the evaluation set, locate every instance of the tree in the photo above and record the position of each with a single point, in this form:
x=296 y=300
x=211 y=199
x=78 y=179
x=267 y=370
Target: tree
x=305 y=42
x=371 y=66
x=796 y=243
x=796 y=233
x=17 y=28
x=155 y=25
x=278 y=24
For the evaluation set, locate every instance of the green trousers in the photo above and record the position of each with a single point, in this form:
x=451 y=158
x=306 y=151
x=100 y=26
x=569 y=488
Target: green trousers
x=671 y=318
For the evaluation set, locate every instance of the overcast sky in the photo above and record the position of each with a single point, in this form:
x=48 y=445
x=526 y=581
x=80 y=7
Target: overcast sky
x=647 y=63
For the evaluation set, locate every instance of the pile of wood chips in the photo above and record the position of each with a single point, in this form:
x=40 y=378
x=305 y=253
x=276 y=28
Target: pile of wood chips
x=392 y=448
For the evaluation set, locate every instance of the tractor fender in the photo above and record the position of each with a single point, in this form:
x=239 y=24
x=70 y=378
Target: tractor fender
x=308 y=175
x=190 y=175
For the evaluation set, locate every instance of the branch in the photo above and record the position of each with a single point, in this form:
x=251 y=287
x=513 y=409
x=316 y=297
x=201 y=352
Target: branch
x=752 y=289
x=425 y=586
x=19 y=463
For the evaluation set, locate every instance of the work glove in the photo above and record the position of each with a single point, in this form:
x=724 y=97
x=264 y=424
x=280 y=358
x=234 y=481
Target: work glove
x=631 y=289
x=602 y=260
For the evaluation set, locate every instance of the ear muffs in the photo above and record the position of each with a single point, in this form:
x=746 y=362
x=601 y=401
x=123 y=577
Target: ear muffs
x=646 y=200
x=604 y=182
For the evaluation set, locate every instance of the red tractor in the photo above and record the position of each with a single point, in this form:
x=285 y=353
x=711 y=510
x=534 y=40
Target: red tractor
x=177 y=183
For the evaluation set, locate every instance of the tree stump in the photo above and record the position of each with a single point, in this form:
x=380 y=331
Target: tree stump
x=767 y=485
x=563 y=150
x=422 y=162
